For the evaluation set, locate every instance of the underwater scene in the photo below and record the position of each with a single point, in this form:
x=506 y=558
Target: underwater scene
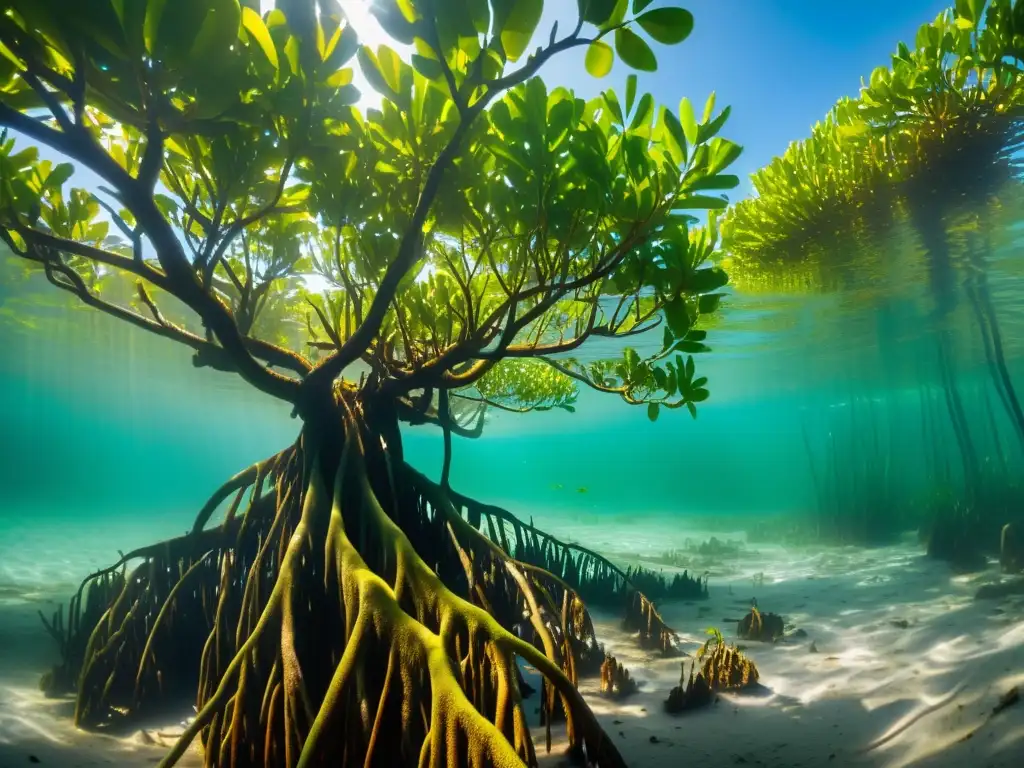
x=471 y=383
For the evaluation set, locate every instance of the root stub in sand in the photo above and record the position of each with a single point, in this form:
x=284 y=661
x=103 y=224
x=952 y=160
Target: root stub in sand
x=370 y=625
x=723 y=668
x=616 y=681
x=765 y=627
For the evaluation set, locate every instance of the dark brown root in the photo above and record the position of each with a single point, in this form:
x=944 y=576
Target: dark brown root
x=678 y=586
x=764 y=627
x=594 y=578
x=98 y=592
x=371 y=625
x=691 y=693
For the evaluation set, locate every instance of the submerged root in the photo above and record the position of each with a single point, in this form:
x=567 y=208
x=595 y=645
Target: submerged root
x=765 y=627
x=371 y=626
x=678 y=586
x=594 y=578
x=616 y=681
x=84 y=613
x=691 y=693
x=725 y=668
x=652 y=633
x=722 y=668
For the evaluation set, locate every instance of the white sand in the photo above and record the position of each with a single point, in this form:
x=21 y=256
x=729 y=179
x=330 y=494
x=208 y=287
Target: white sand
x=875 y=694
x=41 y=566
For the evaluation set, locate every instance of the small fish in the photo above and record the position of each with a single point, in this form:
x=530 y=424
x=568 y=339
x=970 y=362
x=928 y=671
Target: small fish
x=557 y=486
x=581 y=489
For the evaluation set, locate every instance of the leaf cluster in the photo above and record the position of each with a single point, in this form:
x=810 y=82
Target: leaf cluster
x=959 y=87
x=467 y=234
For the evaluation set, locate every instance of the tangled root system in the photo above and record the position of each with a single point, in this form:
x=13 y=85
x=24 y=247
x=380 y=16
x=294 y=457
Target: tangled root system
x=342 y=611
x=594 y=578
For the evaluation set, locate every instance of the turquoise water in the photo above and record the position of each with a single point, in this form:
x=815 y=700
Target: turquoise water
x=828 y=424
x=131 y=428
x=105 y=423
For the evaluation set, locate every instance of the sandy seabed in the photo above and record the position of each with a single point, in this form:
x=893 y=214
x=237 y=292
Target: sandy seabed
x=891 y=662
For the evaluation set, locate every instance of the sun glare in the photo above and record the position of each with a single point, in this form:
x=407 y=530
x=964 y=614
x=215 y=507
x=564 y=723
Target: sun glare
x=357 y=12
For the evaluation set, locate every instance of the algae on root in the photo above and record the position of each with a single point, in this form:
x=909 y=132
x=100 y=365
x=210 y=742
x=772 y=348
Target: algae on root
x=722 y=668
x=616 y=682
x=244 y=612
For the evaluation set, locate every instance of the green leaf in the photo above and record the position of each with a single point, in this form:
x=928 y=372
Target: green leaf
x=691 y=347
x=652 y=411
x=692 y=409
x=151 y=26
x=667 y=25
x=708 y=303
x=291 y=52
x=634 y=51
x=516 y=21
x=687 y=120
x=217 y=34
x=709 y=107
x=698 y=395
x=612 y=101
x=639 y=5
x=596 y=12
x=643 y=112
x=393 y=21
x=708 y=130
x=345 y=47
x=709 y=279
x=721 y=154
x=677 y=317
x=429 y=68
x=60 y=174
x=701 y=202
x=387 y=74
x=254 y=26
x=718 y=181
x=630 y=92
x=676 y=134
x=599 y=59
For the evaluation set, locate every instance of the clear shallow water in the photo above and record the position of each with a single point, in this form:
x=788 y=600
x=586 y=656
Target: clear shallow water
x=112 y=440
x=103 y=422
